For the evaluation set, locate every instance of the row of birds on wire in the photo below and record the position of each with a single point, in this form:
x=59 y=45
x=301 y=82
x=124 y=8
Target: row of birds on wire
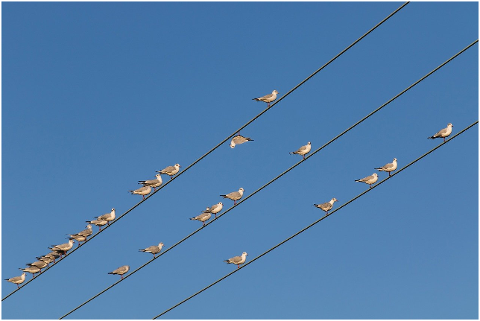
x=58 y=251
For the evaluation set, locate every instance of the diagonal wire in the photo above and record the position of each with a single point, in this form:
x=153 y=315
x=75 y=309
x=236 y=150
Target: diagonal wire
x=274 y=179
x=223 y=141
x=314 y=223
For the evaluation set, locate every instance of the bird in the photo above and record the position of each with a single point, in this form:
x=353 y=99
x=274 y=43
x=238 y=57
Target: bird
x=17 y=279
x=46 y=259
x=235 y=196
x=98 y=223
x=31 y=269
x=390 y=167
x=121 y=271
x=39 y=264
x=239 y=139
x=443 y=133
x=154 y=249
x=87 y=232
x=50 y=257
x=202 y=217
x=268 y=98
x=303 y=150
x=153 y=182
x=78 y=238
x=82 y=236
x=372 y=179
x=170 y=170
x=326 y=206
x=214 y=209
x=237 y=259
x=107 y=217
x=62 y=248
x=144 y=190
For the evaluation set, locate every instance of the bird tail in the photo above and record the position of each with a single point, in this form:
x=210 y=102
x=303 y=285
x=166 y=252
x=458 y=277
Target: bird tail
x=249 y=139
x=141 y=250
x=223 y=195
x=431 y=137
x=110 y=273
x=292 y=153
x=357 y=180
x=192 y=218
x=256 y=99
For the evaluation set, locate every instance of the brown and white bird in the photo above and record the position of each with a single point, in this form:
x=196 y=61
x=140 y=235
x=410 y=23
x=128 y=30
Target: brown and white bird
x=202 y=217
x=31 y=269
x=234 y=196
x=154 y=249
x=268 y=98
x=443 y=133
x=98 y=223
x=82 y=236
x=62 y=248
x=372 y=179
x=153 y=182
x=214 y=209
x=170 y=170
x=239 y=139
x=107 y=217
x=390 y=167
x=237 y=260
x=303 y=150
x=326 y=206
x=17 y=279
x=121 y=271
x=144 y=190
x=39 y=264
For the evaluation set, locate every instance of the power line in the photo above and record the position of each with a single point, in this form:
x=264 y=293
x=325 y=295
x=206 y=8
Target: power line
x=274 y=179
x=219 y=144
x=314 y=223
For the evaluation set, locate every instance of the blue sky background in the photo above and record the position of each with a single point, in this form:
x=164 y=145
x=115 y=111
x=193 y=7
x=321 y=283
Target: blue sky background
x=96 y=96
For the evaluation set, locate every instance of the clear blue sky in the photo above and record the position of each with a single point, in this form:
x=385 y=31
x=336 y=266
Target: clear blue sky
x=97 y=96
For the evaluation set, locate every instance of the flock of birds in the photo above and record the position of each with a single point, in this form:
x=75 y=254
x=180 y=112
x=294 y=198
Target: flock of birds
x=58 y=251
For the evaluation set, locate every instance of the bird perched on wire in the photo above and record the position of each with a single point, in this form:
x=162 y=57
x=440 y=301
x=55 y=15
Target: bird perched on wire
x=62 y=248
x=31 y=269
x=107 y=217
x=98 y=223
x=372 y=179
x=444 y=133
x=144 y=190
x=239 y=139
x=153 y=182
x=326 y=206
x=121 y=271
x=237 y=260
x=303 y=150
x=202 y=217
x=390 y=167
x=170 y=170
x=39 y=264
x=17 y=279
x=234 y=196
x=214 y=209
x=82 y=236
x=154 y=249
x=268 y=98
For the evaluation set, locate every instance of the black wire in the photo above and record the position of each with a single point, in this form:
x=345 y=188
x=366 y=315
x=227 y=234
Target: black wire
x=219 y=144
x=314 y=223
